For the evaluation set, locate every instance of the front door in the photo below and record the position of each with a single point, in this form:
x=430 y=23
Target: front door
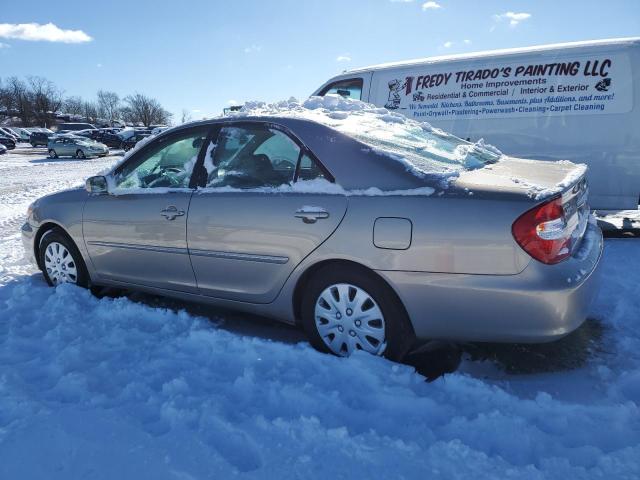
x=249 y=228
x=137 y=233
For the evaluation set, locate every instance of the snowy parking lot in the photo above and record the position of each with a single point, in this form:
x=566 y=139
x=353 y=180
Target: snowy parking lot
x=138 y=387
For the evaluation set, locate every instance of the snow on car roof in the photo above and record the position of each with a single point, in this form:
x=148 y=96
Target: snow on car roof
x=421 y=148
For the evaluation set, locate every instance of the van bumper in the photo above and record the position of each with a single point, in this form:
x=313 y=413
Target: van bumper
x=541 y=304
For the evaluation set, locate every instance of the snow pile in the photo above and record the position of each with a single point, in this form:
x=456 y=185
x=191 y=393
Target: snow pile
x=423 y=149
x=86 y=382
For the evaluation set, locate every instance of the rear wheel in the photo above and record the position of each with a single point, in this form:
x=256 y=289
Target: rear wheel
x=346 y=309
x=61 y=261
x=52 y=153
x=80 y=154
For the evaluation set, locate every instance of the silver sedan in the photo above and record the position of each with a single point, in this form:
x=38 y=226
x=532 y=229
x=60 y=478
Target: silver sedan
x=368 y=241
x=75 y=146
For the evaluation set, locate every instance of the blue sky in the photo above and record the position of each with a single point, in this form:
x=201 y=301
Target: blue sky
x=199 y=55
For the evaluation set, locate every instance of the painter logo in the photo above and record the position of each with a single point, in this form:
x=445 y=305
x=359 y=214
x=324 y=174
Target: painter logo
x=603 y=85
x=393 y=100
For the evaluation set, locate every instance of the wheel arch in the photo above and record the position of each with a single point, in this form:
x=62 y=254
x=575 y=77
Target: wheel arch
x=44 y=228
x=303 y=280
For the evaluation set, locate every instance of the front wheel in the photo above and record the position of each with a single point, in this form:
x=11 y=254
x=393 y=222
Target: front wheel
x=61 y=261
x=80 y=154
x=345 y=309
x=52 y=153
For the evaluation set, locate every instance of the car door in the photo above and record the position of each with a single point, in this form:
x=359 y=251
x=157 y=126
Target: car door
x=137 y=232
x=249 y=228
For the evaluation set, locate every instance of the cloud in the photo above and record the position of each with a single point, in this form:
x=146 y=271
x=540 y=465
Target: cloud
x=466 y=41
x=448 y=44
x=253 y=49
x=513 y=17
x=196 y=110
x=36 y=32
x=430 y=6
x=233 y=102
x=345 y=57
x=99 y=65
x=4 y=45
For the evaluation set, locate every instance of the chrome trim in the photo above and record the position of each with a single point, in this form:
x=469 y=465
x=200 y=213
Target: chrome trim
x=199 y=253
x=249 y=257
x=152 y=248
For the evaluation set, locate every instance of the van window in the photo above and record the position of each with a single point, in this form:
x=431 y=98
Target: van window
x=351 y=88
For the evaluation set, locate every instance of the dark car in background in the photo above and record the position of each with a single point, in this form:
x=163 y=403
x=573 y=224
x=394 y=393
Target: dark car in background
x=130 y=142
x=110 y=139
x=39 y=138
x=7 y=141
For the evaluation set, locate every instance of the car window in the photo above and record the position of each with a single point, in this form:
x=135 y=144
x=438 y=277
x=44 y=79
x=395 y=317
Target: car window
x=309 y=169
x=250 y=157
x=351 y=88
x=165 y=163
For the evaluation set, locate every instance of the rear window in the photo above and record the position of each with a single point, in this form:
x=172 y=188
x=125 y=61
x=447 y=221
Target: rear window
x=422 y=147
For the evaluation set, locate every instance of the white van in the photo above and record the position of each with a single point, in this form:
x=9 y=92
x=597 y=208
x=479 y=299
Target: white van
x=575 y=101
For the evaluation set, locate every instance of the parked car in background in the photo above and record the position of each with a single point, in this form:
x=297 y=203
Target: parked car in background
x=88 y=133
x=3 y=149
x=9 y=133
x=131 y=142
x=39 y=138
x=111 y=140
x=277 y=214
x=24 y=134
x=7 y=141
x=72 y=127
x=74 y=146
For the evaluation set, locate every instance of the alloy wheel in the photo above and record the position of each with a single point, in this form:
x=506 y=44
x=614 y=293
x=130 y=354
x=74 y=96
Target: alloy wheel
x=60 y=265
x=80 y=154
x=348 y=318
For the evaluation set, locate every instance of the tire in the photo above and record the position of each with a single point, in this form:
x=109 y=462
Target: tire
x=80 y=154
x=57 y=268
x=397 y=335
x=52 y=153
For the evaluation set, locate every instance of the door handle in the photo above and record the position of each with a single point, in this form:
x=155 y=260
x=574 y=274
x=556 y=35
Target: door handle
x=171 y=212
x=311 y=214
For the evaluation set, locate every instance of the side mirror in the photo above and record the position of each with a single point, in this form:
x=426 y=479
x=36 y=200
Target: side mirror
x=96 y=185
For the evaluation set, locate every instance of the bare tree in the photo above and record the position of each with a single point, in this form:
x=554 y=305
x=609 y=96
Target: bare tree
x=73 y=106
x=46 y=97
x=186 y=116
x=146 y=110
x=109 y=105
x=90 y=111
x=19 y=99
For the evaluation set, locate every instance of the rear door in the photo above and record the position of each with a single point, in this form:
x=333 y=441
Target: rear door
x=249 y=227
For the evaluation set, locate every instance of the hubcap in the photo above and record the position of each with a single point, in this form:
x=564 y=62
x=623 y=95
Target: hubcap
x=348 y=319
x=59 y=263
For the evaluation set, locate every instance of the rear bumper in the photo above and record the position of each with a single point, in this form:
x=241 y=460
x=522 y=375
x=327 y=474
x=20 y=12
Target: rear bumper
x=540 y=304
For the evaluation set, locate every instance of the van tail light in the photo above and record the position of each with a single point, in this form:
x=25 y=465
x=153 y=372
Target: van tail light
x=543 y=232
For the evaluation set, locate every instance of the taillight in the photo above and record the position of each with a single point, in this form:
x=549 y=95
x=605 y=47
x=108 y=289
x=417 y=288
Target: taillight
x=543 y=232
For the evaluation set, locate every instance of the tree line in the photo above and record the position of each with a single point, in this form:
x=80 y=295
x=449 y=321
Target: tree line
x=36 y=101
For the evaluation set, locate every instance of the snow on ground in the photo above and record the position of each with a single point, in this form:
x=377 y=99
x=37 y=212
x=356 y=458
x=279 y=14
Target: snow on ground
x=115 y=388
